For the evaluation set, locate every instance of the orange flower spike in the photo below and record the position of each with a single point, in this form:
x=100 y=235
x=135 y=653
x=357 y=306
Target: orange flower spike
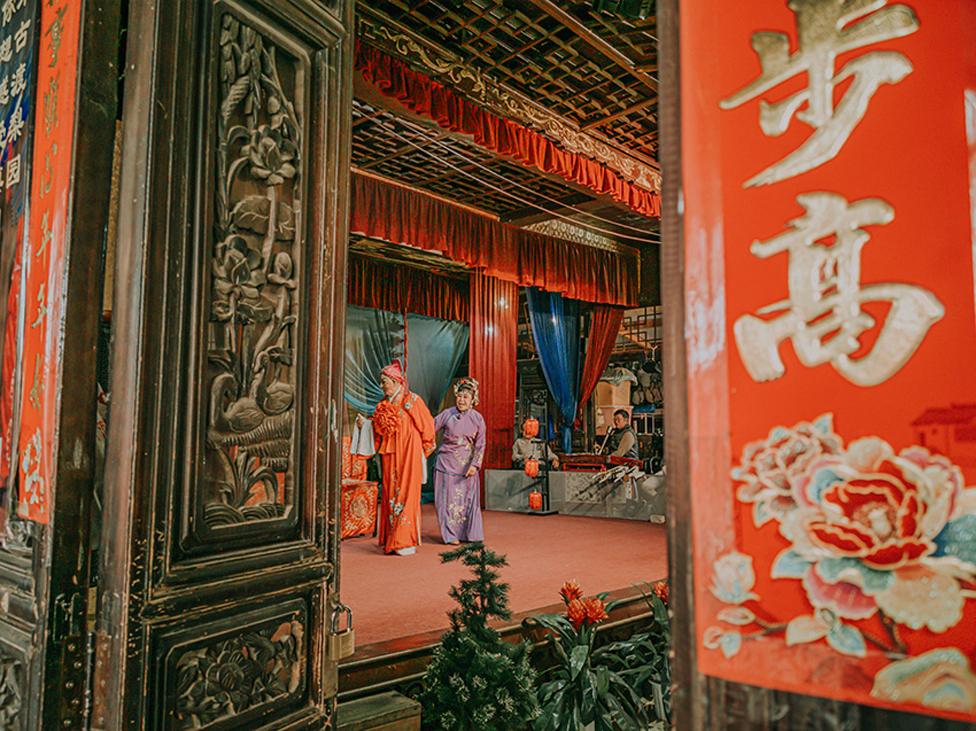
x=571 y=590
x=576 y=613
x=596 y=610
x=662 y=591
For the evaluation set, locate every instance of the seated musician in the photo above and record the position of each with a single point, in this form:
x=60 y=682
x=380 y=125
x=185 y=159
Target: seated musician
x=621 y=441
x=528 y=447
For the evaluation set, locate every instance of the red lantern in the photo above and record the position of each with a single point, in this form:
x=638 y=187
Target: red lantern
x=531 y=428
x=531 y=468
x=535 y=500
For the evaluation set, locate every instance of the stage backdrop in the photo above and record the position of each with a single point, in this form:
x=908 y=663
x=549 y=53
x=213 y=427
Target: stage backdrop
x=830 y=303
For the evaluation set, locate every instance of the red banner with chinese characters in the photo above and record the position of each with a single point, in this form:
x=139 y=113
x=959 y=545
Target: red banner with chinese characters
x=57 y=70
x=831 y=341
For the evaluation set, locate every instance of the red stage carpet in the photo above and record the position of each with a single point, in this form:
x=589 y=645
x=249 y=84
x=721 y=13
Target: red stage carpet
x=398 y=596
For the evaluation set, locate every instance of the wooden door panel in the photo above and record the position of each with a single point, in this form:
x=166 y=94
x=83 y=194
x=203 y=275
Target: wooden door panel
x=219 y=494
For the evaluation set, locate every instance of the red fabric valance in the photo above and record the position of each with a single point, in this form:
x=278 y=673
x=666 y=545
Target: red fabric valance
x=389 y=212
x=422 y=95
x=383 y=286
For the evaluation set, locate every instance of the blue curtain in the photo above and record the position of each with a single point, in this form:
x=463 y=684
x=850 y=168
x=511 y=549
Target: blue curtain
x=556 y=331
x=434 y=351
x=374 y=338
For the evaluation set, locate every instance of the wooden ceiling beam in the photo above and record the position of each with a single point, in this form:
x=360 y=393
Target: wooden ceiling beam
x=368 y=93
x=570 y=204
x=394 y=38
x=595 y=41
x=622 y=113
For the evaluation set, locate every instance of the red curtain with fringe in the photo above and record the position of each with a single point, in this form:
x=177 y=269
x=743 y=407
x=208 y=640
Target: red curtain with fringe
x=423 y=95
x=492 y=356
x=604 y=326
x=399 y=215
x=384 y=286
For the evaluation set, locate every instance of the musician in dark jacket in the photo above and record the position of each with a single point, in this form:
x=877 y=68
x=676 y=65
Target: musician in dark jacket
x=621 y=440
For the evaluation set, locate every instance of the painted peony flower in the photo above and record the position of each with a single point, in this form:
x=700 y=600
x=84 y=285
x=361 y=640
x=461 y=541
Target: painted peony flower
x=874 y=529
x=769 y=467
x=733 y=578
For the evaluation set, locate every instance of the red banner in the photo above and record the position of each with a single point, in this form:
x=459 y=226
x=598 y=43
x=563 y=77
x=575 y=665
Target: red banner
x=830 y=297
x=57 y=71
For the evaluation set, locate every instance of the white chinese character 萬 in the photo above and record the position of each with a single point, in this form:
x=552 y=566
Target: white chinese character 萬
x=825 y=29
x=6 y=49
x=823 y=315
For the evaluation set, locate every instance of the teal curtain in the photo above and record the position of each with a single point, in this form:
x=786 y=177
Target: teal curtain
x=434 y=351
x=374 y=338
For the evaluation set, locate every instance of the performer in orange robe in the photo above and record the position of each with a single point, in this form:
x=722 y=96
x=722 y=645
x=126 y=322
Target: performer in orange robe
x=405 y=437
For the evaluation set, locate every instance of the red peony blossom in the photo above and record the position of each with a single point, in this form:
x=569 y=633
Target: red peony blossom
x=596 y=610
x=663 y=591
x=576 y=613
x=571 y=590
x=386 y=419
x=876 y=518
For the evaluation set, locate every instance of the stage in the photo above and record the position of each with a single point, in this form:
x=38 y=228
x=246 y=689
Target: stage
x=396 y=597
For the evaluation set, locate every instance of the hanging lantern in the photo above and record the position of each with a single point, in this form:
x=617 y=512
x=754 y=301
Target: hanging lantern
x=535 y=500
x=531 y=428
x=531 y=468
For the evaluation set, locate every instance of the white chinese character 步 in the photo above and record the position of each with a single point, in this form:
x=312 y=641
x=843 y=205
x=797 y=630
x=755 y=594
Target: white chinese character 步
x=823 y=315
x=825 y=29
x=19 y=81
x=22 y=35
x=13 y=171
x=4 y=90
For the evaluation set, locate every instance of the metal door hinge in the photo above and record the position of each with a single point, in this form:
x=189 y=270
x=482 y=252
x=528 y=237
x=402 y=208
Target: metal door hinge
x=67 y=616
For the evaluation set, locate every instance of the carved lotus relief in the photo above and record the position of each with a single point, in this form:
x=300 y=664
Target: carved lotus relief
x=253 y=284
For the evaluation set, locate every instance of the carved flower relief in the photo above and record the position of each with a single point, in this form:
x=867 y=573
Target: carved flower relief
x=238 y=278
x=271 y=154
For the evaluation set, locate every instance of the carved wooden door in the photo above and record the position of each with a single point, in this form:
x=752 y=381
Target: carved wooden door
x=219 y=548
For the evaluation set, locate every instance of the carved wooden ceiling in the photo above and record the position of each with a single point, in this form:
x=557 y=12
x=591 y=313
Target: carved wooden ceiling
x=594 y=69
x=584 y=78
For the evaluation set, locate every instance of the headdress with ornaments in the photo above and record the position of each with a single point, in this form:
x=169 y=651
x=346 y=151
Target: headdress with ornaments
x=395 y=372
x=467 y=384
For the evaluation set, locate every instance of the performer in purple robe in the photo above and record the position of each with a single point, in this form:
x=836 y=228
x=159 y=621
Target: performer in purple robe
x=456 y=484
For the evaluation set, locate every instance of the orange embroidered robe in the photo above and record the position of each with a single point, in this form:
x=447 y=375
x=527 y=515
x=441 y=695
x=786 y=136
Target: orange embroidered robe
x=403 y=456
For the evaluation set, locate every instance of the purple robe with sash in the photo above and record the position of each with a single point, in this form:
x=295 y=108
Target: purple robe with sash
x=457 y=497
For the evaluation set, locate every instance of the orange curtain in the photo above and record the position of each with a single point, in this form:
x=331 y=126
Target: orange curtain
x=383 y=286
x=401 y=216
x=492 y=356
x=421 y=94
x=604 y=326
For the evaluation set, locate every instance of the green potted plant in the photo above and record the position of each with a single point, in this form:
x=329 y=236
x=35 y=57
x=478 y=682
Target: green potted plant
x=583 y=690
x=475 y=679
